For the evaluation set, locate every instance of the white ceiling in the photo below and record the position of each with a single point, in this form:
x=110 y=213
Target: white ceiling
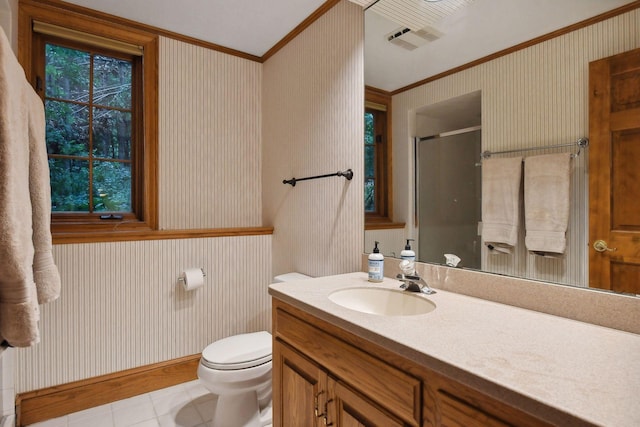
x=477 y=29
x=472 y=32
x=250 y=26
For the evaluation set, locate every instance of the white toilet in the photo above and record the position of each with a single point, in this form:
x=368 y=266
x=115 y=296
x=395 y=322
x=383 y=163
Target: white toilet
x=238 y=370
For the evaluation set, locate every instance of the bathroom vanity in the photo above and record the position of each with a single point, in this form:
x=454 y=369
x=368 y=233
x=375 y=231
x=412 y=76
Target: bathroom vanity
x=468 y=362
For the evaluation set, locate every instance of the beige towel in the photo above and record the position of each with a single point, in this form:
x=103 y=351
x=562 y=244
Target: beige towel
x=501 y=180
x=546 y=203
x=28 y=275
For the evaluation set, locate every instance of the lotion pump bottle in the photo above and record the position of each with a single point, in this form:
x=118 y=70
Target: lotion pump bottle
x=407 y=253
x=376 y=265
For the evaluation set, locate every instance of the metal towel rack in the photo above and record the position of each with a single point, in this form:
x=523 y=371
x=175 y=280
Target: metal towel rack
x=348 y=174
x=581 y=143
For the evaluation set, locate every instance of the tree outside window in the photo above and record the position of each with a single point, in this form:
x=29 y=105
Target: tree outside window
x=88 y=109
x=376 y=165
x=369 y=163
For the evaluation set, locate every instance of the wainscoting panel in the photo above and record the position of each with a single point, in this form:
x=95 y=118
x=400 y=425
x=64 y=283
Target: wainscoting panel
x=122 y=306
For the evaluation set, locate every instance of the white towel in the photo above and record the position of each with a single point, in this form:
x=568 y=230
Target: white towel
x=546 y=203
x=28 y=275
x=501 y=180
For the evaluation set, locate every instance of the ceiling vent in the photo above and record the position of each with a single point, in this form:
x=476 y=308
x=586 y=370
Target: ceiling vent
x=410 y=40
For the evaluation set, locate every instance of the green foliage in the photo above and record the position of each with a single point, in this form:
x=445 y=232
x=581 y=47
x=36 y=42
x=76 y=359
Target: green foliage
x=67 y=73
x=69 y=185
x=111 y=82
x=369 y=163
x=69 y=126
x=369 y=131
x=112 y=187
x=369 y=196
x=111 y=134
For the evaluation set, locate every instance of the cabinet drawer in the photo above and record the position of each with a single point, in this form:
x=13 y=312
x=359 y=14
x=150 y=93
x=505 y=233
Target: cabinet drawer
x=391 y=388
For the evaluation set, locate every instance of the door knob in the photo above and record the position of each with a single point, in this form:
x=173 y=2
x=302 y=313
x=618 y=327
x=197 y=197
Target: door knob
x=601 y=246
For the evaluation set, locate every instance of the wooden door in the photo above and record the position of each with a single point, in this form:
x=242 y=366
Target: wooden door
x=455 y=413
x=614 y=173
x=347 y=408
x=299 y=387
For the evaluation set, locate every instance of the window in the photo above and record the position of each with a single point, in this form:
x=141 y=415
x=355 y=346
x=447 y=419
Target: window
x=374 y=160
x=99 y=85
x=89 y=103
x=377 y=157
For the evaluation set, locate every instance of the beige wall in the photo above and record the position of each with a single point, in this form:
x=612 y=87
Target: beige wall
x=210 y=138
x=536 y=96
x=313 y=125
x=9 y=21
x=121 y=305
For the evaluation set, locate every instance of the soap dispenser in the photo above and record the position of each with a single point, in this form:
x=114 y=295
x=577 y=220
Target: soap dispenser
x=407 y=253
x=376 y=265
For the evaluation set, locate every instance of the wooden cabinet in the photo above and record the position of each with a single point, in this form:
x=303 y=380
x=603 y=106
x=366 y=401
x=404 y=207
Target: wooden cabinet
x=300 y=385
x=319 y=377
x=309 y=396
x=326 y=376
x=455 y=413
x=352 y=409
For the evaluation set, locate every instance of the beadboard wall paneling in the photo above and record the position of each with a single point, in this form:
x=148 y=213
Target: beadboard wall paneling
x=313 y=124
x=7 y=384
x=210 y=138
x=532 y=97
x=122 y=306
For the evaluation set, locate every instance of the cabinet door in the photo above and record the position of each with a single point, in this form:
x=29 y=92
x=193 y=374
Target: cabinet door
x=455 y=413
x=348 y=408
x=299 y=389
x=382 y=382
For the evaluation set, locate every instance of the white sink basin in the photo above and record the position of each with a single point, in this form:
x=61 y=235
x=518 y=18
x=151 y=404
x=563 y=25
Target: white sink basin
x=381 y=301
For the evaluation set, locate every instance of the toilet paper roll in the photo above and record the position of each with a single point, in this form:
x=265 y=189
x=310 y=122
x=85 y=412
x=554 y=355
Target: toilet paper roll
x=192 y=278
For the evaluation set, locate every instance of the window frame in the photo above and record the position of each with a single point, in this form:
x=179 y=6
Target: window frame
x=379 y=103
x=86 y=227
x=137 y=150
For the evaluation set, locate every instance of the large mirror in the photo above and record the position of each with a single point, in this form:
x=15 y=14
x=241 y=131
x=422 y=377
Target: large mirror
x=516 y=95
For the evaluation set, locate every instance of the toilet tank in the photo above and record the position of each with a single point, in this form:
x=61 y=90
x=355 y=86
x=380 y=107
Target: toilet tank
x=290 y=277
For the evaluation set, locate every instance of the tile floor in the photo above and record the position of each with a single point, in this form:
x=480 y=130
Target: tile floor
x=183 y=405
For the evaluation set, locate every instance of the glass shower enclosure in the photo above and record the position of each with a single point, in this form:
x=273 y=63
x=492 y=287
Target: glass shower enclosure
x=448 y=196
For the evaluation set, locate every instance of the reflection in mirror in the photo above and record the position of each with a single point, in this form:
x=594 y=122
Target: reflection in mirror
x=448 y=199
x=533 y=96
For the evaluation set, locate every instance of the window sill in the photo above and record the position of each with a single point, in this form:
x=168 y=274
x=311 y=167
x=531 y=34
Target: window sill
x=125 y=236
x=382 y=225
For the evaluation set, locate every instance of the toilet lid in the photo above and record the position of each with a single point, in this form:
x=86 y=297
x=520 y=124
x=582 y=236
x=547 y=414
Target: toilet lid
x=238 y=351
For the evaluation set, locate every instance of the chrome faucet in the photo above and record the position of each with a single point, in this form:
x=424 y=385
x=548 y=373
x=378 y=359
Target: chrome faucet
x=414 y=283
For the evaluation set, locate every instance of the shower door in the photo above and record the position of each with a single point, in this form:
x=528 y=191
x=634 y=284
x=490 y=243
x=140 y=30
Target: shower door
x=448 y=197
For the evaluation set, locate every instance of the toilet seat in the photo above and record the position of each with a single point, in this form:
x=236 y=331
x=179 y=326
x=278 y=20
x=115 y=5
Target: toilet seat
x=238 y=352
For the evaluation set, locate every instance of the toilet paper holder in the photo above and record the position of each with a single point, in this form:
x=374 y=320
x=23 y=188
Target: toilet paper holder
x=181 y=278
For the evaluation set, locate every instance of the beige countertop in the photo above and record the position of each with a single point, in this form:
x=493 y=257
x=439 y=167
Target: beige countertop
x=532 y=360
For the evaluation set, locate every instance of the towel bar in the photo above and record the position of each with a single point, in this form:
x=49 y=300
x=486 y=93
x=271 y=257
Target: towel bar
x=581 y=143
x=348 y=174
